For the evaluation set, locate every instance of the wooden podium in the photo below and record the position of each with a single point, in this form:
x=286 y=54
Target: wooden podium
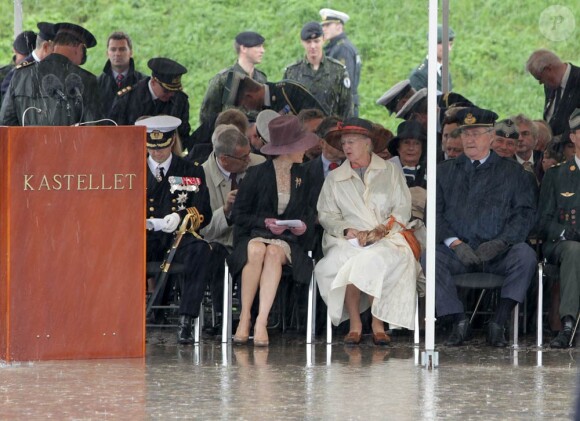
x=72 y=242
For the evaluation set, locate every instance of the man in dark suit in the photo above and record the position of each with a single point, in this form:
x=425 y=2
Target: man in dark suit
x=559 y=213
x=176 y=188
x=119 y=71
x=526 y=154
x=482 y=225
x=561 y=87
x=156 y=95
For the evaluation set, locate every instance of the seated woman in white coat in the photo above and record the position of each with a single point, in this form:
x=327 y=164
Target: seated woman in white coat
x=355 y=206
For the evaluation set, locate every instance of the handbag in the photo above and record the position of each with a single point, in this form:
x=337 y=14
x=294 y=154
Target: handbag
x=409 y=235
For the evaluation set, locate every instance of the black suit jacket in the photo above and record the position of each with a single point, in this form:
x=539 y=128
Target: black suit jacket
x=569 y=101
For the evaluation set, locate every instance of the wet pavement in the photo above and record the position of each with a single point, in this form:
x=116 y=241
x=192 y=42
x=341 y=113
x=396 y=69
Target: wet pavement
x=292 y=380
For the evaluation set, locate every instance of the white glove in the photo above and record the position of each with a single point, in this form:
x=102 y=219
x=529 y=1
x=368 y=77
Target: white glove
x=154 y=224
x=171 y=222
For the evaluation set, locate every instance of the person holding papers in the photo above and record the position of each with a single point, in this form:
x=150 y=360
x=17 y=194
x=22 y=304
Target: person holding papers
x=367 y=262
x=272 y=224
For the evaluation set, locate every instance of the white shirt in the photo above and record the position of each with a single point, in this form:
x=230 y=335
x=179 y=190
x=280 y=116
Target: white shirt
x=153 y=96
x=154 y=165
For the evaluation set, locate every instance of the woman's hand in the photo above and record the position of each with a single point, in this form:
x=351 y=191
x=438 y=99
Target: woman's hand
x=362 y=237
x=350 y=233
x=298 y=230
x=377 y=234
x=271 y=225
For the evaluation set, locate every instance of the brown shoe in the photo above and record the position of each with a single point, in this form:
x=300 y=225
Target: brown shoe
x=353 y=338
x=381 y=339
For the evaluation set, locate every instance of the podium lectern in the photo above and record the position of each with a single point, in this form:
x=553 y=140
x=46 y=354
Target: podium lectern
x=72 y=242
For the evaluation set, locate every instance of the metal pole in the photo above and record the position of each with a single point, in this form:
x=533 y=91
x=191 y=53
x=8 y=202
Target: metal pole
x=17 y=17
x=430 y=357
x=445 y=46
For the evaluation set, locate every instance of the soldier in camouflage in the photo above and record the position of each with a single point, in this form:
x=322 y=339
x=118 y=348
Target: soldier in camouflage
x=250 y=49
x=339 y=47
x=326 y=78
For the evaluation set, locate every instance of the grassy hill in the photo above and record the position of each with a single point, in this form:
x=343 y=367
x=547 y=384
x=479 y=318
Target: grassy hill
x=493 y=41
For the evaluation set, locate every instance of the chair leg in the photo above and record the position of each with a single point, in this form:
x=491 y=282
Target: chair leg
x=477 y=305
x=540 y=310
x=311 y=315
x=416 y=333
x=328 y=329
x=198 y=325
x=574 y=331
x=227 y=307
x=516 y=316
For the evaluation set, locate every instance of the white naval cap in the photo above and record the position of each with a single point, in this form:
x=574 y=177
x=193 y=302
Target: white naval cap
x=329 y=16
x=390 y=98
x=410 y=105
x=575 y=120
x=160 y=130
x=160 y=123
x=262 y=121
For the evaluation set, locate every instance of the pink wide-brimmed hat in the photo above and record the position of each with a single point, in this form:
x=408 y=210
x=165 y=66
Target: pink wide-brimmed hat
x=288 y=136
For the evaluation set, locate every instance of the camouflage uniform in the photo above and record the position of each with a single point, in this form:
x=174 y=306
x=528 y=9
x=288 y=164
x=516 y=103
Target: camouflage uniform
x=340 y=48
x=419 y=75
x=213 y=103
x=330 y=84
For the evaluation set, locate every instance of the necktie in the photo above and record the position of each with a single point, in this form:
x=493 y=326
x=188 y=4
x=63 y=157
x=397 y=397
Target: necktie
x=557 y=96
x=234 y=180
x=528 y=166
x=333 y=166
x=476 y=163
x=120 y=78
x=159 y=173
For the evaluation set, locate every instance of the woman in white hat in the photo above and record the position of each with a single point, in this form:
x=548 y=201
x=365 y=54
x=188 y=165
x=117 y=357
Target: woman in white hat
x=272 y=192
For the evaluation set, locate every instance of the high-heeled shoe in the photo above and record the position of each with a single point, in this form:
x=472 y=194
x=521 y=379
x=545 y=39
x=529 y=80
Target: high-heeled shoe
x=239 y=338
x=261 y=341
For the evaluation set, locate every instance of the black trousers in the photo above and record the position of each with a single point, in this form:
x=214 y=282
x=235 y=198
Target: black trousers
x=194 y=254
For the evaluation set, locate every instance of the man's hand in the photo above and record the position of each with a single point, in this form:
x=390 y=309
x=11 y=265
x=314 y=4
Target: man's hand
x=490 y=249
x=171 y=222
x=230 y=199
x=466 y=255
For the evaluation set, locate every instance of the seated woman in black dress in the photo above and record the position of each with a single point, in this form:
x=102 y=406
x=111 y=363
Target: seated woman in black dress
x=276 y=190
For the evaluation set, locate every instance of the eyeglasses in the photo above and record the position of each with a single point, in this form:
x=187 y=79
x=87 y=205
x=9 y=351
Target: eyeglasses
x=474 y=134
x=245 y=157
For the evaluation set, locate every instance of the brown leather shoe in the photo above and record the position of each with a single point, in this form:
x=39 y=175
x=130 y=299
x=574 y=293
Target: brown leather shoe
x=353 y=338
x=381 y=339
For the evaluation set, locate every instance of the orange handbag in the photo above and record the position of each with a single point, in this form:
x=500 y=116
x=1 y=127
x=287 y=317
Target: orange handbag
x=409 y=235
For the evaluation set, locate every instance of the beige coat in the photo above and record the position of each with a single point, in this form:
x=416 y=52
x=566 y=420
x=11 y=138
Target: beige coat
x=386 y=270
x=218 y=185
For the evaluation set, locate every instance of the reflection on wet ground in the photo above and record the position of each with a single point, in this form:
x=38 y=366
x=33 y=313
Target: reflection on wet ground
x=292 y=380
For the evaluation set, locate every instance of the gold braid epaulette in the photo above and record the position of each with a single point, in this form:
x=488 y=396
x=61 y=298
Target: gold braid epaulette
x=191 y=222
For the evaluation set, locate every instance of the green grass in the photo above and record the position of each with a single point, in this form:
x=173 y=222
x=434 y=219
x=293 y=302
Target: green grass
x=493 y=41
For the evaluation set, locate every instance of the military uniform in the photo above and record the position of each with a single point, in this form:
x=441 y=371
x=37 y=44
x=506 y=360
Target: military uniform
x=65 y=93
x=330 y=84
x=136 y=101
x=213 y=101
x=419 y=76
x=560 y=210
x=108 y=86
x=341 y=49
x=192 y=252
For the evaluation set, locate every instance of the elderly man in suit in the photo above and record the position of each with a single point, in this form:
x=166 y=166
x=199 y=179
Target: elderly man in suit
x=560 y=209
x=561 y=87
x=224 y=171
x=482 y=225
